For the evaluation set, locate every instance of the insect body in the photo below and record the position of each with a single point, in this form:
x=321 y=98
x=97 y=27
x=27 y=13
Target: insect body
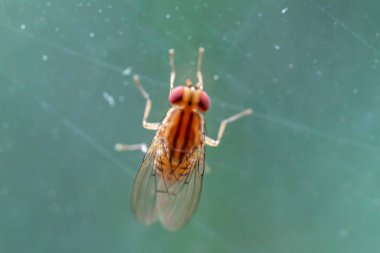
x=168 y=184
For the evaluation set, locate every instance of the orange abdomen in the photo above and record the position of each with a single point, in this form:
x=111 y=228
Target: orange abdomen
x=183 y=132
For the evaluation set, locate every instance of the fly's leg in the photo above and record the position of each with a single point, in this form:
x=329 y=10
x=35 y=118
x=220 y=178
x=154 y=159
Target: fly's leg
x=172 y=70
x=148 y=125
x=125 y=147
x=199 y=85
x=148 y=106
x=223 y=125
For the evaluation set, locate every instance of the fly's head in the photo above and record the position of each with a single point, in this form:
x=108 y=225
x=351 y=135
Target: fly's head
x=190 y=97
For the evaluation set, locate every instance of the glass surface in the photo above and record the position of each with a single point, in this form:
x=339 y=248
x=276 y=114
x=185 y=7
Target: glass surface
x=300 y=175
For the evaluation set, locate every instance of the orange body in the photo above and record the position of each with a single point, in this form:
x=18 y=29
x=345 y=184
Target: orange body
x=168 y=184
x=181 y=132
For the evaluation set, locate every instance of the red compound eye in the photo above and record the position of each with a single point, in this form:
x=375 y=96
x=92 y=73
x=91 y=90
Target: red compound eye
x=204 y=101
x=176 y=95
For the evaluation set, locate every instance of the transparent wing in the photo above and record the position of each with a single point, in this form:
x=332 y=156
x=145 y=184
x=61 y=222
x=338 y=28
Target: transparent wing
x=177 y=204
x=144 y=187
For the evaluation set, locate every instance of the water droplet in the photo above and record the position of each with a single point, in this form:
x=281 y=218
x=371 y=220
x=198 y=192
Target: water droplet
x=127 y=71
x=109 y=99
x=23 y=27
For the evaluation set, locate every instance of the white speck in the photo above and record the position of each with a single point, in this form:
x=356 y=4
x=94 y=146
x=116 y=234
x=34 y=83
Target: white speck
x=48 y=3
x=23 y=26
x=274 y=80
x=277 y=47
x=167 y=16
x=216 y=77
x=100 y=11
x=45 y=57
x=291 y=65
x=319 y=72
x=127 y=71
x=356 y=90
x=259 y=14
x=92 y=35
x=283 y=11
x=121 y=98
x=110 y=6
x=109 y=99
x=238 y=22
x=57 y=29
x=343 y=233
x=189 y=38
x=80 y=4
x=176 y=8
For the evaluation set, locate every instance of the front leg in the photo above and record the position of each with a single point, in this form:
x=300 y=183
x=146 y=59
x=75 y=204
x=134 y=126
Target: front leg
x=148 y=106
x=214 y=143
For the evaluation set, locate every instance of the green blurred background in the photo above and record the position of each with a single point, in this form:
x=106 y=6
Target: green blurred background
x=301 y=175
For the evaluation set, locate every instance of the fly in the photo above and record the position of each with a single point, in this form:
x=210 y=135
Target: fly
x=168 y=184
